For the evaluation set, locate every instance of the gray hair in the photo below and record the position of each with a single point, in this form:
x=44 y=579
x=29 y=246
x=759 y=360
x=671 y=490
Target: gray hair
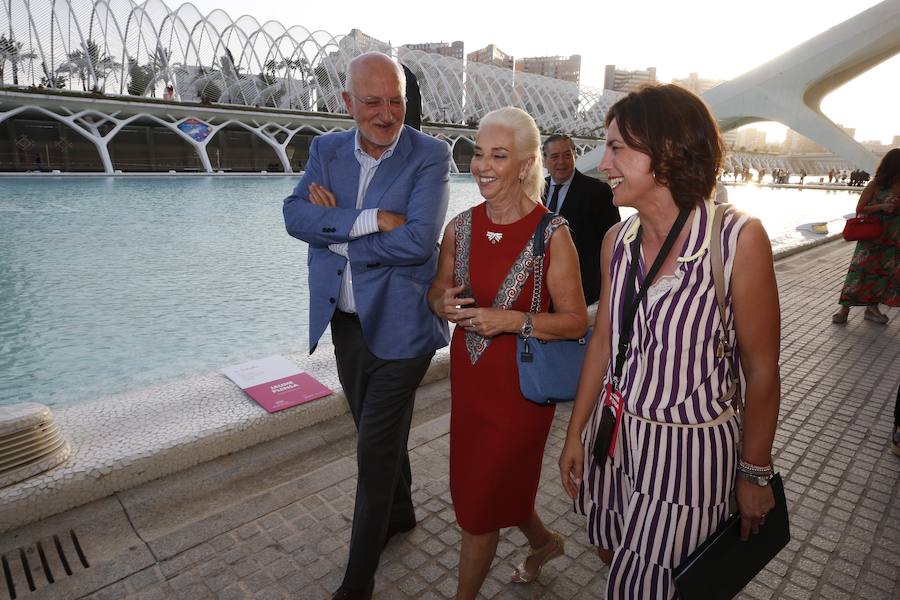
x=359 y=62
x=528 y=143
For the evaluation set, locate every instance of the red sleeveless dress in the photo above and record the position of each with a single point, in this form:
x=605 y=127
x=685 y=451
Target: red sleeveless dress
x=497 y=437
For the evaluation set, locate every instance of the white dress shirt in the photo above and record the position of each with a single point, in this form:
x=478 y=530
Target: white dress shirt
x=365 y=224
x=562 y=192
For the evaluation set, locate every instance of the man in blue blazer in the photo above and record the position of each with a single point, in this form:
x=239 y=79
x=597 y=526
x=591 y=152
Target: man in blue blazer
x=371 y=206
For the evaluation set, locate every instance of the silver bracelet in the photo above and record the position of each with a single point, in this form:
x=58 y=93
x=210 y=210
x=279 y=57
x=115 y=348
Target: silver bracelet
x=751 y=469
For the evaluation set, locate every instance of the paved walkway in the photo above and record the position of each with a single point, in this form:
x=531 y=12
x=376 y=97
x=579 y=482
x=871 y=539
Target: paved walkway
x=273 y=521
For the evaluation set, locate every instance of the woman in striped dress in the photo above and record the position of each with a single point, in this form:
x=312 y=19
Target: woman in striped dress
x=665 y=485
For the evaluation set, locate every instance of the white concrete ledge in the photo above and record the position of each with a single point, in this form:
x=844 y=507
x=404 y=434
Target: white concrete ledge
x=830 y=187
x=122 y=441
x=813 y=241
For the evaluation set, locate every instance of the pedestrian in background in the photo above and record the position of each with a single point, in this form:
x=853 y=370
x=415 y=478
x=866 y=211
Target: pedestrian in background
x=874 y=274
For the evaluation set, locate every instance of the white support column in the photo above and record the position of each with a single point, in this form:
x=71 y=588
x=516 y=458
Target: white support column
x=790 y=88
x=202 y=154
x=199 y=147
x=280 y=148
x=80 y=121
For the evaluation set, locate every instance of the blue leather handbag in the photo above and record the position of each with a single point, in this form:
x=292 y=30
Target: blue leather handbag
x=548 y=370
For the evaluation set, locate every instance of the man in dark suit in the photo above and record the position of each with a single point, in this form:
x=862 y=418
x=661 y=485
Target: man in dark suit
x=585 y=202
x=371 y=207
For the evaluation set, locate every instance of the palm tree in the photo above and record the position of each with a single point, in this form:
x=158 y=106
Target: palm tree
x=89 y=64
x=238 y=87
x=139 y=77
x=272 y=89
x=302 y=65
x=207 y=85
x=52 y=81
x=11 y=51
x=143 y=78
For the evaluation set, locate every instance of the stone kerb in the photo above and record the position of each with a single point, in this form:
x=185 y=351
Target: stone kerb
x=122 y=441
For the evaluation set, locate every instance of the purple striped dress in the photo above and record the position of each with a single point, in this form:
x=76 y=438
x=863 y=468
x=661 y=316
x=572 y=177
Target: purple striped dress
x=668 y=485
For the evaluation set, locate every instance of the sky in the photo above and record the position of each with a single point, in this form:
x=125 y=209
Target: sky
x=713 y=38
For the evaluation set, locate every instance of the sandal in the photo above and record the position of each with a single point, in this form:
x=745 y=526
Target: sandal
x=875 y=316
x=840 y=317
x=552 y=549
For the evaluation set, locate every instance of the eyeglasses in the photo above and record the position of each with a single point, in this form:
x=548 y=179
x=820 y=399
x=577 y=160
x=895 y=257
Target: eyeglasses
x=373 y=103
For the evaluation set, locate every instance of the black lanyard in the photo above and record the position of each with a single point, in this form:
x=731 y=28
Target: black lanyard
x=632 y=303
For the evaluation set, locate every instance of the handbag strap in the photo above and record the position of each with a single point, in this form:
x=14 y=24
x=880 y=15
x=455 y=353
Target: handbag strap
x=632 y=303
x=717 y=264
x=538 y=262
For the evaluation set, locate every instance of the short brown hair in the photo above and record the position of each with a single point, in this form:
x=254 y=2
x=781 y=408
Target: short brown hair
x=676 y=130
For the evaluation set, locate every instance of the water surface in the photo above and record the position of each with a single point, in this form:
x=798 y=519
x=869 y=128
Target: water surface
x=109 y=284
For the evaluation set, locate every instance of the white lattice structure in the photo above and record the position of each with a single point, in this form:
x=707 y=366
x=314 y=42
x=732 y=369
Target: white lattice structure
x=120 y=47
x=456 y=93
x=120 y=55
x=814 y=164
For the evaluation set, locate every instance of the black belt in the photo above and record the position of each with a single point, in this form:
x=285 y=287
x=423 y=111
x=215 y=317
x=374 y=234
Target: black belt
x=347 y=315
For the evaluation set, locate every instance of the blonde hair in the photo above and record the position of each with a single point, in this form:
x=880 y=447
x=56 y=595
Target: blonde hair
x=528 y=144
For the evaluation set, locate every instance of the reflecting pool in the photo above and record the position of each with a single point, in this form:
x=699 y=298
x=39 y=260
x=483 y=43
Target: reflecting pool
x=109 y=284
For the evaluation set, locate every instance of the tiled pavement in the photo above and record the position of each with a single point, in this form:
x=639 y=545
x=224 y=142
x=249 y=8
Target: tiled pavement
x=250 y=526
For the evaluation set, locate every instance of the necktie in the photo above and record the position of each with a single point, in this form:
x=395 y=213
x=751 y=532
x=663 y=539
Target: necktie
x=554 y=201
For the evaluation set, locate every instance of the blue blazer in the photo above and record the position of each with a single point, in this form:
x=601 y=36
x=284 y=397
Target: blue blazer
x=392 y=270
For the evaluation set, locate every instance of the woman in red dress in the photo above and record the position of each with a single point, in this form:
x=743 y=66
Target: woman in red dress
x=484 y=285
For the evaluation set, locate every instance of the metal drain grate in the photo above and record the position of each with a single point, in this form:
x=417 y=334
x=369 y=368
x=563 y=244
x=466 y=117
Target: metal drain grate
x=32 y=568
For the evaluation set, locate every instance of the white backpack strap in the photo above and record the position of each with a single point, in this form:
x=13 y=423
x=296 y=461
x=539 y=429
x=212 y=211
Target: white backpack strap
x=717 y=264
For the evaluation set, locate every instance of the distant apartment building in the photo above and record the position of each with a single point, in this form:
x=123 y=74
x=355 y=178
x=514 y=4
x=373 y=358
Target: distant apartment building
x=697 y=84
x=620 y=80
x=566 y=68
x=729 y=138
x=875 y=146
x=794 y=143
x=750 y=139
x=895 y=143
x=357 y=41
x=454 y=50
x=491 y=55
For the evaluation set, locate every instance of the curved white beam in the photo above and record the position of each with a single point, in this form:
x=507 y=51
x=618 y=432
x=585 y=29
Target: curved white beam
x=790 y=88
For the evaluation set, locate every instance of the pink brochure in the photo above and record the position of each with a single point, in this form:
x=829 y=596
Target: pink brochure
x=276 y=383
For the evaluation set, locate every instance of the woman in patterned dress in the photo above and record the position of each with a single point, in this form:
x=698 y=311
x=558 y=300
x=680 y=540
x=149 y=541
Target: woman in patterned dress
x=675 y=458
x=485 y=286
x=874 y=273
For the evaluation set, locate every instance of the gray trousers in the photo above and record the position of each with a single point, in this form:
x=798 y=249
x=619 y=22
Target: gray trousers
x=381 y=394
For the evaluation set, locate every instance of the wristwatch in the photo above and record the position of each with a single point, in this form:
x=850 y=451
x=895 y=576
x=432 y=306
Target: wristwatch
x=762 y=479
x=527 y=327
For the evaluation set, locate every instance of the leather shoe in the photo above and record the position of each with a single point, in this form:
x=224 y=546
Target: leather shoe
x=395 y=528
x=345 y=594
